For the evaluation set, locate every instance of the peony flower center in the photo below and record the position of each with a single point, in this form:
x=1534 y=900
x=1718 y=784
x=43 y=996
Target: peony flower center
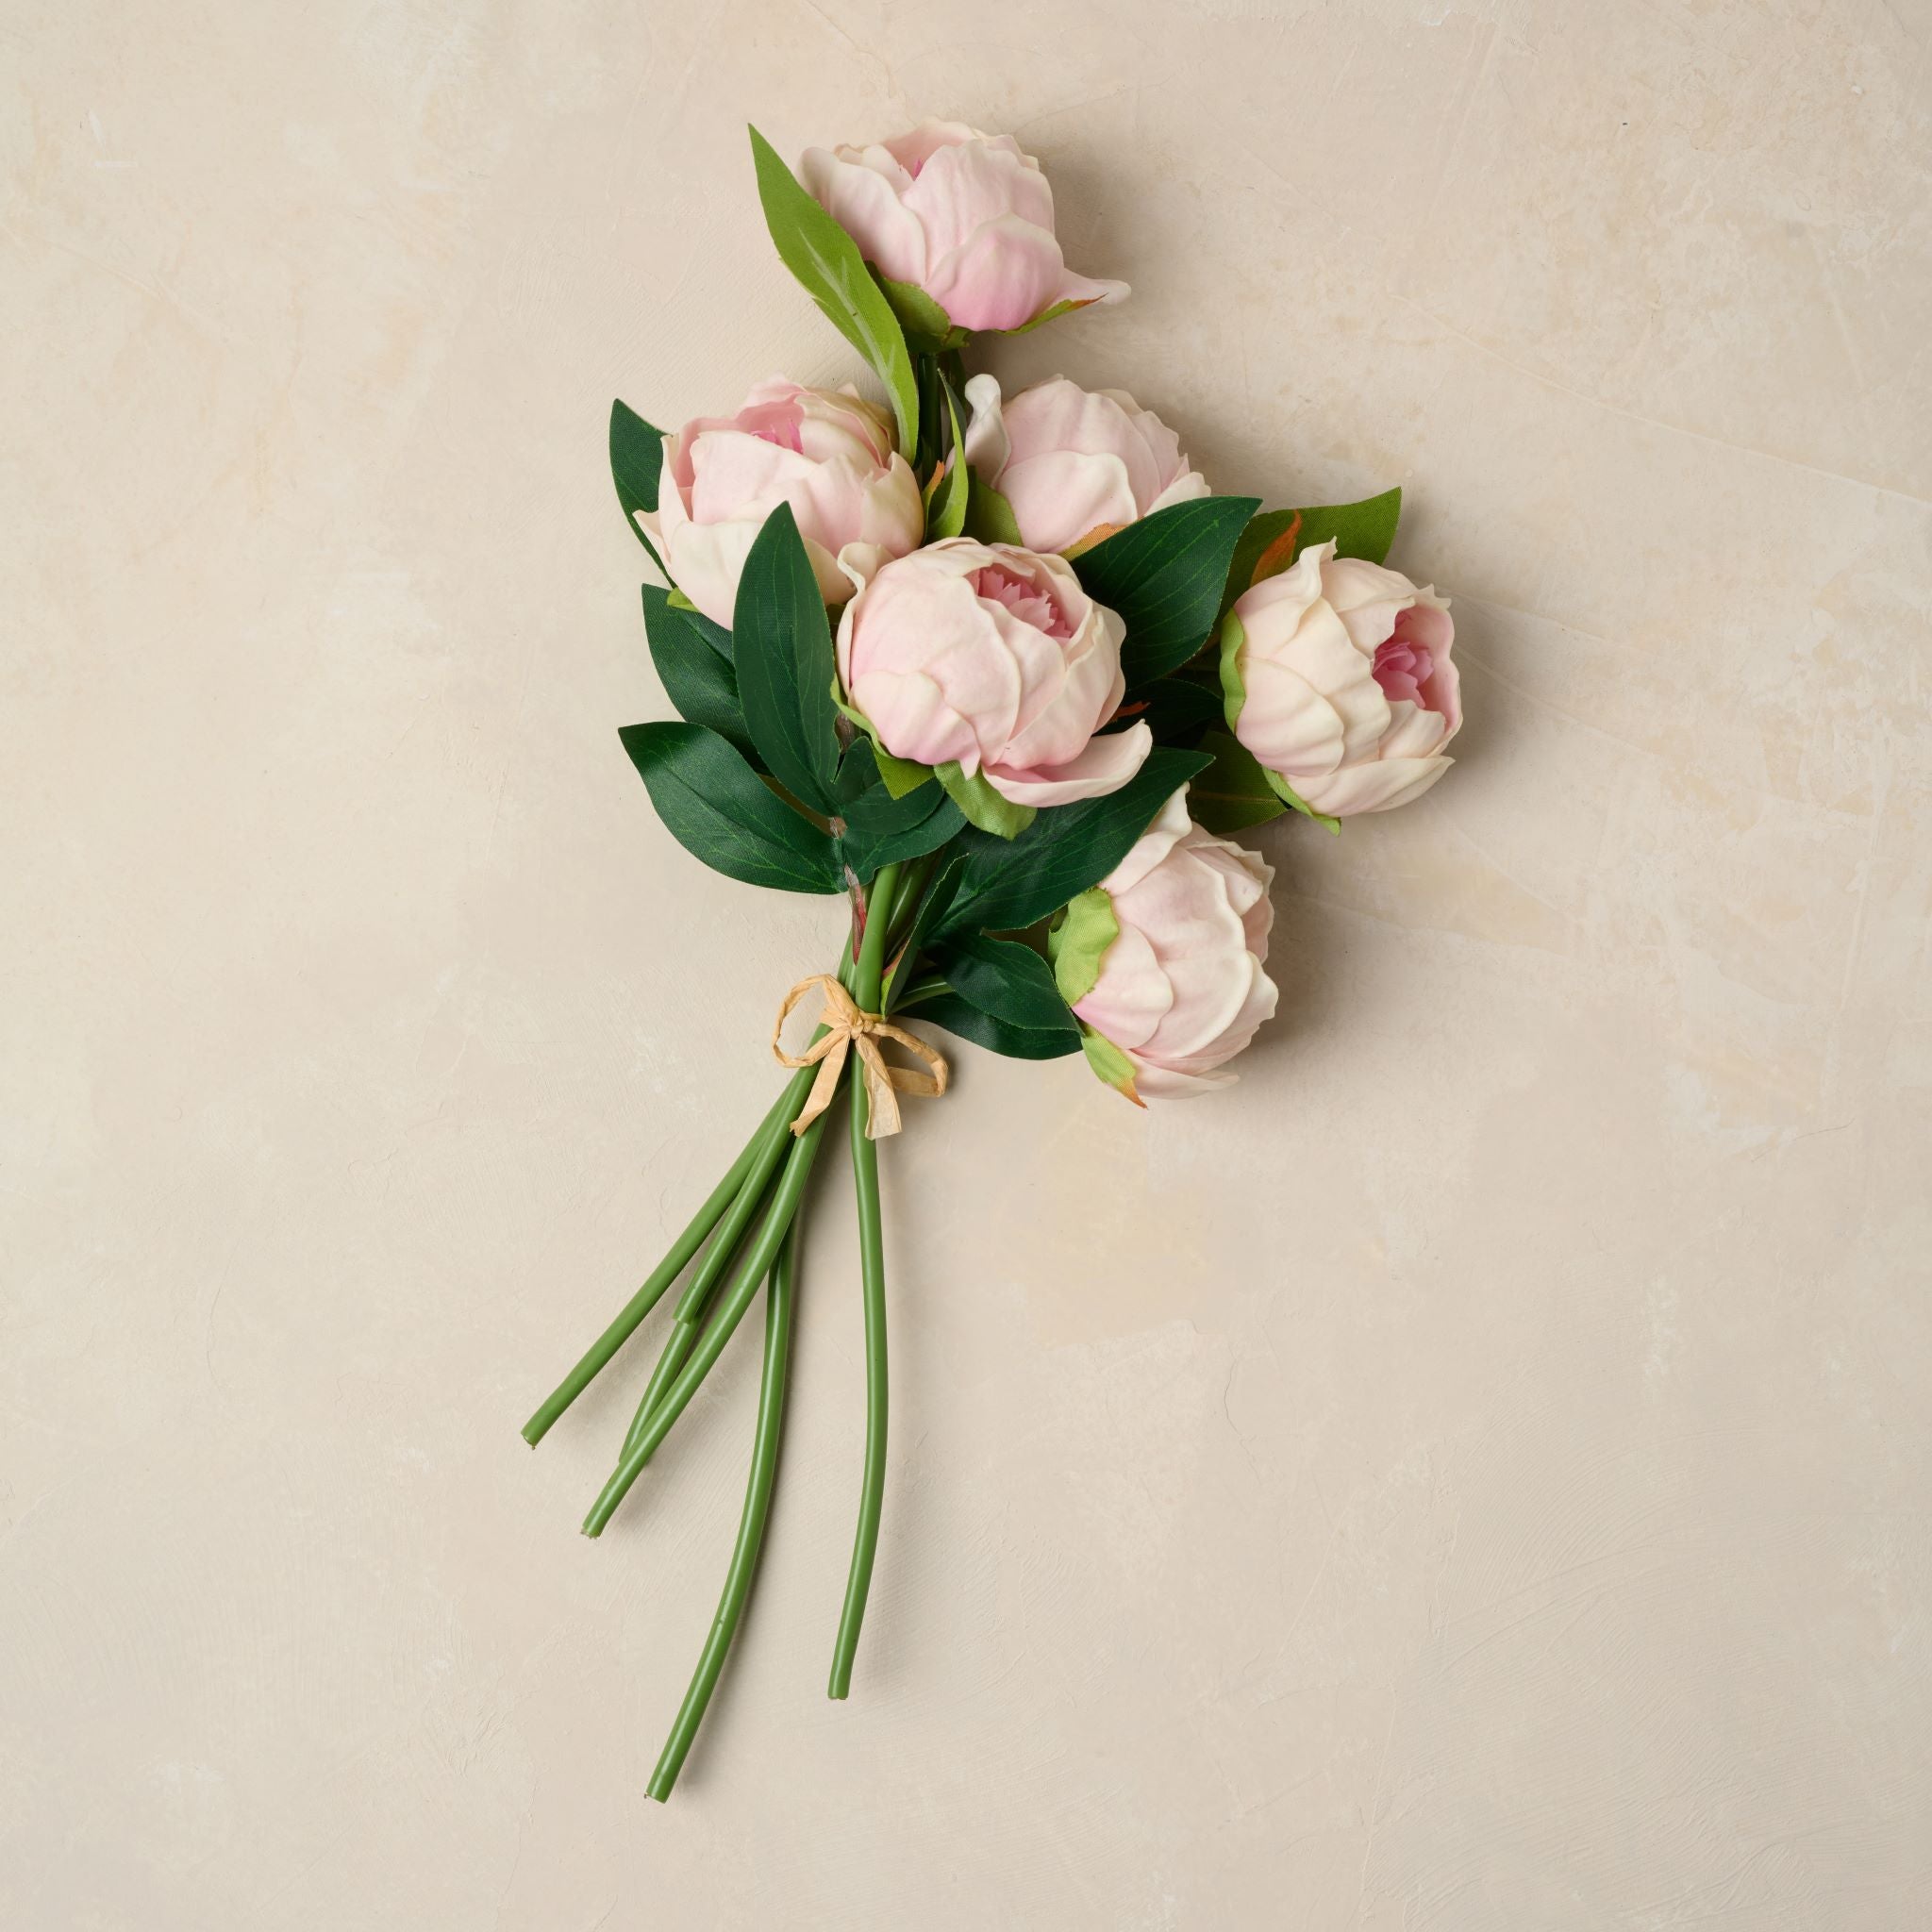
x=777 y=423
x=996 y=584
x=1402 y=668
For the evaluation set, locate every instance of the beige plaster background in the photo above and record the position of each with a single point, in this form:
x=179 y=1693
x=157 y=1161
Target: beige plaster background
x=1472 y=1476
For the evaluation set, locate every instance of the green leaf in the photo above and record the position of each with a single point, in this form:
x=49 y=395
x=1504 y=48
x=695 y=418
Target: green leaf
x=783 y=647
x=884 y=829
x=1363 y=529
x=1233 y=792
x=697 y=677
x=1110 y=1063
x=1078 y=945
x=929 y=330
x=988 y=516
x=637 y=461
x=1164 y=575
x=984 y=1029
x=826 y=262
x=1177 y=708
x=1010 y=981
x=945 y=503
x=933 y=903
x=982 y=806
x=1009 y=884
x=720 y=811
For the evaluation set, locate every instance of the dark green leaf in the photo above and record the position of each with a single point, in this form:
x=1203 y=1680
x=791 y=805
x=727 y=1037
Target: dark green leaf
x=1363 y=529
x=720 y=811
x=783 y=649
x=1010 y=884
x=829 y=268
x=961 y=1016
x=1176 y=707
x=637 y=459
x=1233 y=792
x=883 y=830
x=933 y=903
x=1010 y=981
x=1164 y=575
x=696 y=677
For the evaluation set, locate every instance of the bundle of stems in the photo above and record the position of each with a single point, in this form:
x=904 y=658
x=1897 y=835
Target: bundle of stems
x=751 y=1222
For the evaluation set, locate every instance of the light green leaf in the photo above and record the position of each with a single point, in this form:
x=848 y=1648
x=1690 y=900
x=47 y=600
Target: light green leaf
x=828 y=265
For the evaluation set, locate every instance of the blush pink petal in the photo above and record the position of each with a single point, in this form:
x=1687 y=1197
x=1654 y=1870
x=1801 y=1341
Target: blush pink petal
x=1103 y=766
x=864 y=200
x=1000 y=277
x=1059 y=497
x=963 y=186
x=1378 y=787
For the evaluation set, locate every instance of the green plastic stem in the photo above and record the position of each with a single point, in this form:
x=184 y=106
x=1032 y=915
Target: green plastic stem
x=865 y=1176
x=647 y=1297
x=751 y=1525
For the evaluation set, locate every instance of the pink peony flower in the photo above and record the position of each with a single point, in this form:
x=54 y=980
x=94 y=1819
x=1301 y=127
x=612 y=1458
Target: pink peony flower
x=827 y=453
x=1338 y=678
x=1180 y=989
x=1072 y=462
x=994 y=659
x=963 y=215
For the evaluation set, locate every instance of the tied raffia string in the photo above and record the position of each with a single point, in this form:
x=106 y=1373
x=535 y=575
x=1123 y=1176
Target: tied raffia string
x=847 y=1028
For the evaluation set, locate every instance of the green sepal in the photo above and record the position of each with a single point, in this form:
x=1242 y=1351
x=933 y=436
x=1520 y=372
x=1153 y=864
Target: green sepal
x=988 y=516
x=1077 y=943
x=828 y=265
x=1109 y=1064
x=984 y=806
x=929 y=330
x=1046 y=315
x=678 y=601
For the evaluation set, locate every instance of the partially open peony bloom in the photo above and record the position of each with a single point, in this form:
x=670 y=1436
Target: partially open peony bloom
x=1338 y=678
x=1180 y=988
x=963 y=215
x=826 y=452
x=994 y=659
x=1072 y=462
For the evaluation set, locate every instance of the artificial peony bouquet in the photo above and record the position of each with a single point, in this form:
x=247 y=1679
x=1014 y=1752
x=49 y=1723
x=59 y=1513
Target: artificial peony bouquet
x=1002 y=671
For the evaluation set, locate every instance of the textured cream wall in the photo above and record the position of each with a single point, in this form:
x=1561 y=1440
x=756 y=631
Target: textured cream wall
x=1474 y=1476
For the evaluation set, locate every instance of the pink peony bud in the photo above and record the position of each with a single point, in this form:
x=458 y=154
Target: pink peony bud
x=1179 y=987
x=1071 y=461
x=994 y=659
x=827 y=453
x=1338 y=678
x=963 y=215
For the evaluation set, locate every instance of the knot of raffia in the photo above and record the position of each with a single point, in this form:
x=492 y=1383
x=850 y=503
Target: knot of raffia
x=847 y=1028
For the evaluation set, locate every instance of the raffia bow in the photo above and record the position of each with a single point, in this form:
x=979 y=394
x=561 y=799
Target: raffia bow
x=846 y=1026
